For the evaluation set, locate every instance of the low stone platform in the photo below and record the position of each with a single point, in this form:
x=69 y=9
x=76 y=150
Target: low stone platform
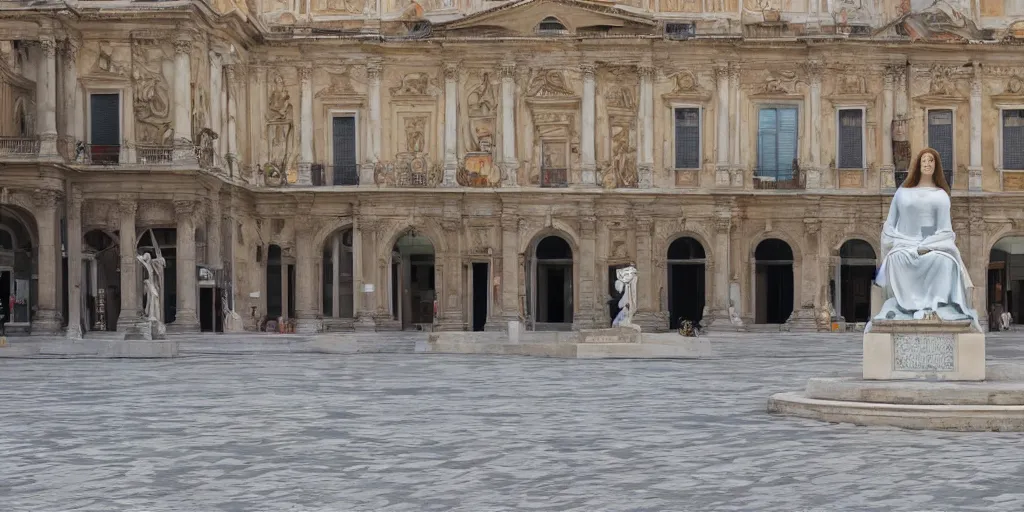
x=923 y=349
x=111 y=348
x=996 y=404
x=595 y=344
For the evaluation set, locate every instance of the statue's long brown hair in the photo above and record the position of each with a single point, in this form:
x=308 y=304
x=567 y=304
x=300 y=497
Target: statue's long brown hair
x=915 y=171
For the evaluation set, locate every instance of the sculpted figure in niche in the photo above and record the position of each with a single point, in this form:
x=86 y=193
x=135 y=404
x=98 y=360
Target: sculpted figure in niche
x=279 y=104
x=152 y=101
x=621 y=97
x=482 y=100
x=625 y=283
x=922 y=274
x=942 y=82
x=414 y=137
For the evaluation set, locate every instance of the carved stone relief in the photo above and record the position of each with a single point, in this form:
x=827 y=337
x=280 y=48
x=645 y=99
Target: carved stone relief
x=340 y=6
x=546 y=83
x=482 y=103
x=415 y=134
x=1015 y=86
x=110 y=60
x=942 y=81
x=685 y=82
x=152 y=101
x=415 y=84
x=851 y=84
x=280 y=125
x=340 y=84
x=781 y=82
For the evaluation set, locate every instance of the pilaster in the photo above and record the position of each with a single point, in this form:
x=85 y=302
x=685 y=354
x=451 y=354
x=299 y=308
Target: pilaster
x=720 y=268
x=509 y=162
x=46 y=97
x=587 y=313
x=305 y=276
x=975 y=168
x=305 y=177
x=451 y=313
x=509 y=266
x=185 y=319
x=646 y=310
x=184 y=151
x=47 y=319
x=373 y=72
x=887 y=170
x=362 y=264
x=129 y=316
x=813 y=173
x=72 y=118
x=216 y=106
x=231 y=74
x=723 y=174
x=588 y=161
x=451 y=101
x=74 y=250
x=645 y=168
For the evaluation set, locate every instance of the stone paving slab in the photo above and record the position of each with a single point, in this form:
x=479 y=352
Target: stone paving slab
x=271 y=430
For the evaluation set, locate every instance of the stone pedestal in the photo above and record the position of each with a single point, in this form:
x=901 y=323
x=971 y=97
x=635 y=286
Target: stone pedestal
x=515 y=329
x=140 y=329
x=923 y=349
x=610 y=335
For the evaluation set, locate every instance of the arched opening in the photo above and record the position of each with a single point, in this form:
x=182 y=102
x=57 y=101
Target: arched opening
x=856 y=271
x=280 y=287
x=162 y=242
x=773 y=282
x=551 y=297
x=1005 y=282
x=413 y=288
x=101 y=280
x=685 y=265
x=551 y=25
x=19 y=263
x=336 y=279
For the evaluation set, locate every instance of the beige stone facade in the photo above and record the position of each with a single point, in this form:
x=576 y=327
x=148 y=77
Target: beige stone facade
x=389 y=165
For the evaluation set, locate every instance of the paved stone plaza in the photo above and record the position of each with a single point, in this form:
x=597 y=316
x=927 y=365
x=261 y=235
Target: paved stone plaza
x=279 y=429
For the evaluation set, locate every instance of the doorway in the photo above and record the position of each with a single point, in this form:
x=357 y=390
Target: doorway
x=480 y=299
x=856 y=272
x=686 y=281
x=773 y=282
x=412 y=282
x=552 y=293
x=206 y=306
x=5 y=293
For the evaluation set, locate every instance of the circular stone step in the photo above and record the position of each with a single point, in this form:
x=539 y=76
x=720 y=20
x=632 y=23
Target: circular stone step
x=966 y=418
x=910 y=392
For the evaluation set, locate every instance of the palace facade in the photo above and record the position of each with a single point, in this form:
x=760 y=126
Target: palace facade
x=457 y=164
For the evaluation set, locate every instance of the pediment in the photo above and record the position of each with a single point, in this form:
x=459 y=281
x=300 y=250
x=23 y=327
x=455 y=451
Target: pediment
x=524 y=16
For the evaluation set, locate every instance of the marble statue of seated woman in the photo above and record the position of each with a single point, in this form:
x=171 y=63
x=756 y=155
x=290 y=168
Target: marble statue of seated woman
x=922 y=274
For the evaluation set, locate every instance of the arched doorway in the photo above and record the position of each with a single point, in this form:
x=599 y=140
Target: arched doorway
x=412 y=285
x=101 y=280
x=773 y=282
x=551 y=294
x=280 y=286
x=336 y=281
x=1005 y=280
x=856 y=271
x=685 y=265
x=19 y=260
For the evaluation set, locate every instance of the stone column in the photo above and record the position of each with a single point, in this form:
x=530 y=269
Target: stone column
x=584 y=316
x=720 y=269
x=645 y=169
x=335 y=276
x=362 y=273
x=305 y=276
x=737 y=127
x=510 y=164
x=232 y=136
x=306 y=128
x=722 y=175
x=887 y=171
x=646 y=312
x=372 y=146
x=47 y=319
x=129 y=283
x=183 y=148
x=185 y=319
x=509 y=267
x=451 y=99
x=69 y=87
x=451 y=314
x=588 y=159
x=813 y=174
x=214 y=258
x=216 y=86
x=74 y=250
x=974 y=171
x=46 y=97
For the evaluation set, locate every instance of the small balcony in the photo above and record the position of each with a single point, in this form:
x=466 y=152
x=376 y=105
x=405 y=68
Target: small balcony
x=774 y=179
x=554 y=178
x=99 y=154
x=154 y=154
x=19 y=147
x=335 y=175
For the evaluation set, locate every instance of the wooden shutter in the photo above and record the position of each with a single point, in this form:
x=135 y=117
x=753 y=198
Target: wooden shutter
x=1013 y=139
x=687 y=138
x=767 y=144
x=851 y=139
x=787 y=137
x=104 y=119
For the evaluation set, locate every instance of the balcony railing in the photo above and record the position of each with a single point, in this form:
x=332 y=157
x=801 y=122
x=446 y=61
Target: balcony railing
x=337 y=175
x=19 y=146
x=154 y=154
x=773 y=179
x=901 y=176
x=554 y=178
x=101 y=154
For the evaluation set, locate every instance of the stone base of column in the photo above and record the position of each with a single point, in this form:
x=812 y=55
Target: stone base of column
x=588 y=176
x=645 y=175
x=812 y=178
x=887 y=176
x=184 y=322
x=386 y=323
x=495 y=325
x=48 y=146
x=450 y=321
x=46 y=323
x=509 y=173
x=802 y=320
x=184 y=154
x=308 y=326
x=719 y=320
x=974 y=178
x=364 y=323
x=451 y=168
x=126 y=322
x=723 y=175
x=366 y=174
x=305 y=177
x=74 y=332
x=650 y=321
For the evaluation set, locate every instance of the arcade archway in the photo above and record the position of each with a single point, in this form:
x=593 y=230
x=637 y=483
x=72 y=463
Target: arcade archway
x=551 y=293
x=1005 y=281
x=856 y=271
x=412 y=285
x=101 y=281
x=686 y=285
x=336 y=281
x=773 y=282
x=19 y=264
x=280 y=286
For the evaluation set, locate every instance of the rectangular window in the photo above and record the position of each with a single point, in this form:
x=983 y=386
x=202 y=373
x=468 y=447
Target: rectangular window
x=940 y=138
x=687 y=138
x=777 y=134
x=851 y=139
x=343 y=142
x=104 y=128
x=1013 y=139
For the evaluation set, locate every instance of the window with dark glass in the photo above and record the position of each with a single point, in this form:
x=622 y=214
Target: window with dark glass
x=343 y=143
x=851 y=139
x=687 y=138
x=105 y=128
x=1013 y=139
x=940 y=137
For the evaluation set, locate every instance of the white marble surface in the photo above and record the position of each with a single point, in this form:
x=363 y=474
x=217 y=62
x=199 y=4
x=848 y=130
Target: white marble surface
x=276 y=429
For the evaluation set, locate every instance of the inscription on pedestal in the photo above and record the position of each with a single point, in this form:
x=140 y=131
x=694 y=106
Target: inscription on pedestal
x=924 y=352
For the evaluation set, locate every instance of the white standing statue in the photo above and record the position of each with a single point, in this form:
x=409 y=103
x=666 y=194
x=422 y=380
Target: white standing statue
x=155 y=277
x=152 y=301
x=625 y=284
x=922 y=274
